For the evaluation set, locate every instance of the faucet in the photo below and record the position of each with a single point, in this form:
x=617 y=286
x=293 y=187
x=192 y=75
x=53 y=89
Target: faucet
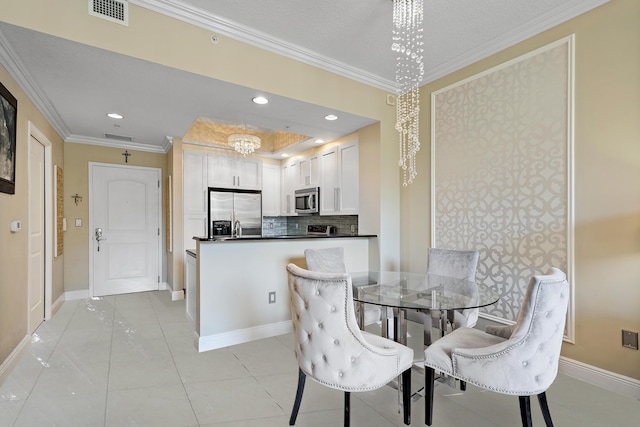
x=237 y=228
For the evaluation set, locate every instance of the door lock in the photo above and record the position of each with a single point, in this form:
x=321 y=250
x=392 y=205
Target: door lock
x=99 y=237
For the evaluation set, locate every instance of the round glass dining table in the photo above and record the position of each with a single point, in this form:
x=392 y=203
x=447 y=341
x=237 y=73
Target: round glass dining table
x=402 y=291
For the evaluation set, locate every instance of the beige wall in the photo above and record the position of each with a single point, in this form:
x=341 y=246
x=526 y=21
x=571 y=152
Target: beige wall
x=14 y=246
x=76 y=180
x=607 y=180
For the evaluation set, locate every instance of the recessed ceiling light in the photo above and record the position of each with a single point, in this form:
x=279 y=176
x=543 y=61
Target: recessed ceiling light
x=284 y=155
x=331 y=117
x=260 y=100
x=320 y=141
x=115 y=116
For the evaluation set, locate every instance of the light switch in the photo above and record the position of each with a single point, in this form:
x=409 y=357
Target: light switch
x=78 y=222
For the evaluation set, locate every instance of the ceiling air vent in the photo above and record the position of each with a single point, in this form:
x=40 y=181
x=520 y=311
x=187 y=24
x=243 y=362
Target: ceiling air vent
x=118 y=137
x=111 y=10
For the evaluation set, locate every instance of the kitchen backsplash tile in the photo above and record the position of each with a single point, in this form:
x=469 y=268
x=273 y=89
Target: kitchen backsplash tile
x=296 y=225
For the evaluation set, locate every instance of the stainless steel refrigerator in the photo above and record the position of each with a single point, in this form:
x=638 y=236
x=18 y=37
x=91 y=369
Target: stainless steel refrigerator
x=227 y=206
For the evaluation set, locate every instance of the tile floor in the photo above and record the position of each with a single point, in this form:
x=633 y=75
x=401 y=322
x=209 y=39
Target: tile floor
x=129 y=360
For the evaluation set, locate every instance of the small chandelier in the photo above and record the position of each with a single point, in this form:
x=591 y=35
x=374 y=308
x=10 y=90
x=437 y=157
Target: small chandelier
x=244 y=143
x=408 y=45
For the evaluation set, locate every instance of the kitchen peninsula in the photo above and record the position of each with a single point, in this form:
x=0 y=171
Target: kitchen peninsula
x=237 y=287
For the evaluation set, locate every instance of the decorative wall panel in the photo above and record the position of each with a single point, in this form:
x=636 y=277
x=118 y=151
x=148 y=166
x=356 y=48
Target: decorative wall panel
x=501 y=164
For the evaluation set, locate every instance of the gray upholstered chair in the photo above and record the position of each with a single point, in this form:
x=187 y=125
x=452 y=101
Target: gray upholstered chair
x=452 y=263
x=331 y=349
x=521 y=361
x=331 y=260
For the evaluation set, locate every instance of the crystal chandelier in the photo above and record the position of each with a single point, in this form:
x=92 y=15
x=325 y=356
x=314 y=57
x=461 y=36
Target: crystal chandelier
x=244 y=143
x=408 y=45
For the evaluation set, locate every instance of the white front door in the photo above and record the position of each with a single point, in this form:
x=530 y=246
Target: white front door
x=124 y=229
x=36 y=233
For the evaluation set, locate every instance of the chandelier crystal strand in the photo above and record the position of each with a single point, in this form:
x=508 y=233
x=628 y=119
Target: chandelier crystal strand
x=408 y=44
x=244 y=143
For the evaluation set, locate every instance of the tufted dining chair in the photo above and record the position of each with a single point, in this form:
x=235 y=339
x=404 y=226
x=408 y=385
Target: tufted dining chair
x=521 y=360
x=331 y=260
x=331 y=349
x=451 y=263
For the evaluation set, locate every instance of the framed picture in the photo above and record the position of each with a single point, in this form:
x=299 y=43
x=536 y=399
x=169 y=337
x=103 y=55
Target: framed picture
x=8 y=118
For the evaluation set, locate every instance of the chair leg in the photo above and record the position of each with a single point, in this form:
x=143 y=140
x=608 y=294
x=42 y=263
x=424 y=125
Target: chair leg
x=525 y=411
x=347 y=409
x=296 y=405
x=542 y=398
x=429 y=376
x=426 y=325
x=406 y=396
x=463 y=385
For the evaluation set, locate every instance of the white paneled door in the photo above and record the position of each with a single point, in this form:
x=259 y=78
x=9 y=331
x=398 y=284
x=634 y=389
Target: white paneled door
x=124 y=229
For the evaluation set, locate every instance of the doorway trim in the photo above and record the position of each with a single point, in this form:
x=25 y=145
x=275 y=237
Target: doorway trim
x=48 y=221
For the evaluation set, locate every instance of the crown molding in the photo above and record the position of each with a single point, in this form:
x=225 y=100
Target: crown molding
x=517 y=35
x=219 y=25
x=19 y=73
x=204 y=19
x=104 y=142
x=167 y=143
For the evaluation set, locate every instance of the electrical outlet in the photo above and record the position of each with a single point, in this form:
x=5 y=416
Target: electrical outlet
x=630 y=339
x=272 y=297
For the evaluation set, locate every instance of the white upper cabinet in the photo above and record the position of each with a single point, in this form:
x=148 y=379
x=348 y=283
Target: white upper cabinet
x=270 y=189
x=329 y=181
x=349 y=188
x=289 y=176
x=309 y=171
x=339 y=184
x=234 y=172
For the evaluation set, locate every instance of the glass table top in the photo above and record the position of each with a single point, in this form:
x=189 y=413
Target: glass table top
x=419 y=291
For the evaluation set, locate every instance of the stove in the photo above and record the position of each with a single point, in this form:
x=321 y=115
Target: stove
x=320 y=230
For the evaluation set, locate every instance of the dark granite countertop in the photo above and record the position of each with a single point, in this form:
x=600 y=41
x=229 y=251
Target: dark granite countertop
x=297 y=236
x=192 y=252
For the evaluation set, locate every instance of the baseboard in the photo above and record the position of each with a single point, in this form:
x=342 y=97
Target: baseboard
x=7 y=366
x=175 y=295
x=240 y=336
x=57 y=304
x=599 y=377
x=74 y=295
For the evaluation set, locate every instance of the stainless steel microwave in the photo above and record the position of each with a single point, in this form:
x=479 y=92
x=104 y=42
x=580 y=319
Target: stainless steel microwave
x=307 y=200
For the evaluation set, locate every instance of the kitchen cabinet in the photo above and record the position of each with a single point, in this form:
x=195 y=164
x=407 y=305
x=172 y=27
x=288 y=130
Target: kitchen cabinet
x=194 y=191
x=296 y=174
x=339 y=186
x=270 y=190
x=309 y=172
x=234 y=172
x=289 y=175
